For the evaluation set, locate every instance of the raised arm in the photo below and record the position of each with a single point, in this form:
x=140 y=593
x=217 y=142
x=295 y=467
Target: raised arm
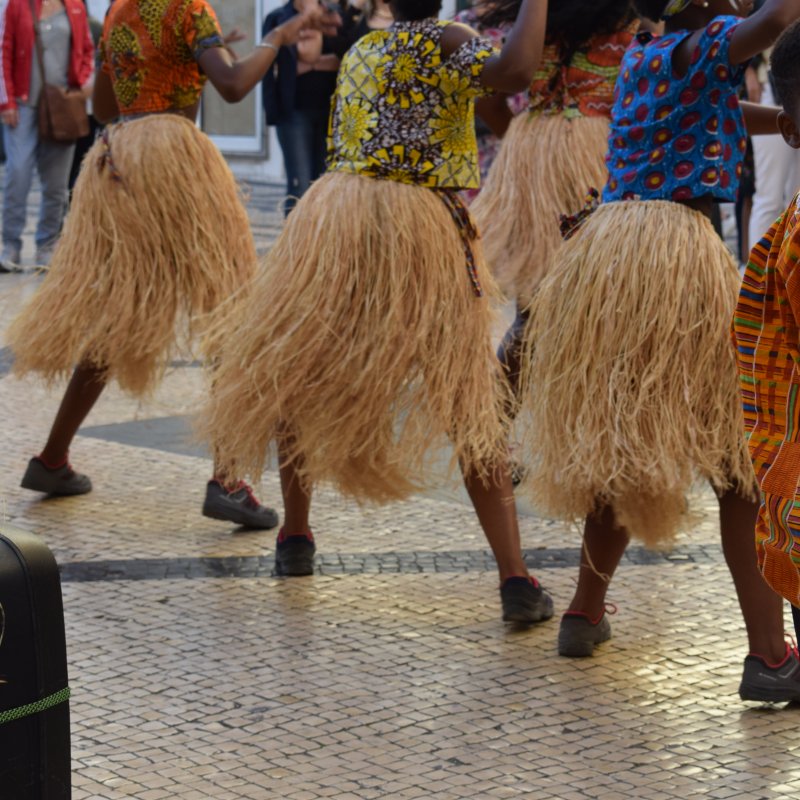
x=512 y=68
x=234 y=79
x=760 y=30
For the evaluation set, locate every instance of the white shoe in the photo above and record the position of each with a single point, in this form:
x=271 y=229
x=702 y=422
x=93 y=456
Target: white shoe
x=9 y=260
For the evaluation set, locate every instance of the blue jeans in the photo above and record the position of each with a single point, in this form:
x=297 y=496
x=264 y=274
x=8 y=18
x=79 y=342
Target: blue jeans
x=303 y=141
x=52 y=160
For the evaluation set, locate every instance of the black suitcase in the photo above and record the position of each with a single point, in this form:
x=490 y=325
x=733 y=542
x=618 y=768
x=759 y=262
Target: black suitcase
x=34 y=707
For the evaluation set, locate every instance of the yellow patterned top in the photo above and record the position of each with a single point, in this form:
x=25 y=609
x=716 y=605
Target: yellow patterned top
x=405 y=113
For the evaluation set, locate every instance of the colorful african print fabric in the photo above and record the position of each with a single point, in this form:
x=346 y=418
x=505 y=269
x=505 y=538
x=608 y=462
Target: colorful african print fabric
x=677 y=138
x=584 y=87
x=767 y=334
x=405 y=113
x=150 y=49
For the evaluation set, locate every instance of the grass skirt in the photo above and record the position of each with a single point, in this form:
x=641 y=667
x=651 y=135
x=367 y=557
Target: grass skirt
x=156 y=237
x=629 y=372
x=545 y=167
x=361 y=346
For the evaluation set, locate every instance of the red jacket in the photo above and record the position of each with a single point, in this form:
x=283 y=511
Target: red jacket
x=18 y=48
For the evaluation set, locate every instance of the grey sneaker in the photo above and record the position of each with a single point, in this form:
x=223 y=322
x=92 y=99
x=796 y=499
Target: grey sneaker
x=524 y=601
x=294 y=554
x=43 y=256
x=771 y=683
x=62 y=481
x=578 y=635
x=238 y=506
x=10 y=260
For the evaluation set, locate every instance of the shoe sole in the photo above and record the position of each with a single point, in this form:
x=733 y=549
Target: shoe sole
x=526 y=614
x=33 y=486
x=238 y=518
x=760 y=695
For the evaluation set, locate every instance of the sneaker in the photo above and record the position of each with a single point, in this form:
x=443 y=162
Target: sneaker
x=294 y=555
x=579 y=635
x=10 y=260
x=62 y=481
x=524 y=601
x=43 y=256
x=238 y=506
x=771 y=683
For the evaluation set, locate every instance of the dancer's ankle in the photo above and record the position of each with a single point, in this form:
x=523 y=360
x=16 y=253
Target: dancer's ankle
x=53 y=462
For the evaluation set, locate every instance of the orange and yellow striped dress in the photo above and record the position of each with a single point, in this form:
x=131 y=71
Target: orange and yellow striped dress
x=766 y=328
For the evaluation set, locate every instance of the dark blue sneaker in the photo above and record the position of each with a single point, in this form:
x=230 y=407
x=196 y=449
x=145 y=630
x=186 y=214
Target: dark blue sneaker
x=238 y=505
x=294 y=555
x=524 y=601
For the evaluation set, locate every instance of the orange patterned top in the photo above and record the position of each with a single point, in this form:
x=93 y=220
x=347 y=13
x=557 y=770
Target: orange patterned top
x=150 y=49
x=766 y=328
x=585 y=86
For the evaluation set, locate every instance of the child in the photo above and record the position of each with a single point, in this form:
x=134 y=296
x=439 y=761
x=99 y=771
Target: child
x=157 y=235
x=551 y=155
x=767 y=334
x=377 y=344
x=629 y=372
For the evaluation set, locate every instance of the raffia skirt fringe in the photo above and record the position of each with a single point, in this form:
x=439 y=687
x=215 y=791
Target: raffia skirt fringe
x=156 y=237
x=361 y=347
x=629 y=376
x=545 y=167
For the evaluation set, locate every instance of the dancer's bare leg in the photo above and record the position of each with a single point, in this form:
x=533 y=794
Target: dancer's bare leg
x=497 y=513
x=762 y=608
x=523 y=599
x=294 y=551
x=85 y=387
x=604 y=544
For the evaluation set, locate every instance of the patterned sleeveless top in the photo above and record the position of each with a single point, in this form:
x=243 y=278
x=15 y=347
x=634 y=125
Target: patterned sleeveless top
x=585 y=86
x=677 y=138
x=150 y=48
x=404 y=112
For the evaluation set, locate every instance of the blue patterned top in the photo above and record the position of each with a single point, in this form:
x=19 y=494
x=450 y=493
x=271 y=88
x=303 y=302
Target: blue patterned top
x=677 y=138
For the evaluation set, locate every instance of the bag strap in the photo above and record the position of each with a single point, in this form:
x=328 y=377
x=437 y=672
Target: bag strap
x=37 y=38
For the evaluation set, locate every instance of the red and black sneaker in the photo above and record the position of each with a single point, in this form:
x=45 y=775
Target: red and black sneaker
x=237 y=505
x=524 y=601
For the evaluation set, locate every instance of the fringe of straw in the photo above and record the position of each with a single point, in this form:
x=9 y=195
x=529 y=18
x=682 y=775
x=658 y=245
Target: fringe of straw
x=629 y=375
x=156 y=237
x=360 y=347
x=544 y=168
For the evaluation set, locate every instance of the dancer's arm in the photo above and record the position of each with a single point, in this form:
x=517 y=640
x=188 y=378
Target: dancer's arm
x=494 y=111
x=234 y=79
x=760 y=120
x=104 y=101
x=760 y=30
x=512 y=68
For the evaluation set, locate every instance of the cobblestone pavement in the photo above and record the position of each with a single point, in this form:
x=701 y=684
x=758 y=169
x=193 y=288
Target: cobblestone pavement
x=387 y=674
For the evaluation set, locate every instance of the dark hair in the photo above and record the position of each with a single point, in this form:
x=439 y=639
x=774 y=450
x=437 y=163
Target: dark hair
x=784 y=68
x=412 y=10
x=652 y=9
x=570 y=23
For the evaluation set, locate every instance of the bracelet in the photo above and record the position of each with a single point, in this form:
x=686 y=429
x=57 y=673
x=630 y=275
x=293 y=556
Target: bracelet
x=269 y=45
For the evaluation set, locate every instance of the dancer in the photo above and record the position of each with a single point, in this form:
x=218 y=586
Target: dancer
x=767 y=332
x=552 y=154
x=628 y=368
x=377 y=347
x=157 y=235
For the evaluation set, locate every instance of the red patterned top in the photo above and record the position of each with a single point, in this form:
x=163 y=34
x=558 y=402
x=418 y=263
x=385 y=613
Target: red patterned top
x=150 y=49
x=585 y=86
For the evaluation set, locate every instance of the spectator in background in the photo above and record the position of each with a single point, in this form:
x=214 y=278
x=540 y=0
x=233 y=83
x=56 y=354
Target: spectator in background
x=777 y=166
x=372 y=15
x=297 y=99
x=85 y=142
x=68 y=61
